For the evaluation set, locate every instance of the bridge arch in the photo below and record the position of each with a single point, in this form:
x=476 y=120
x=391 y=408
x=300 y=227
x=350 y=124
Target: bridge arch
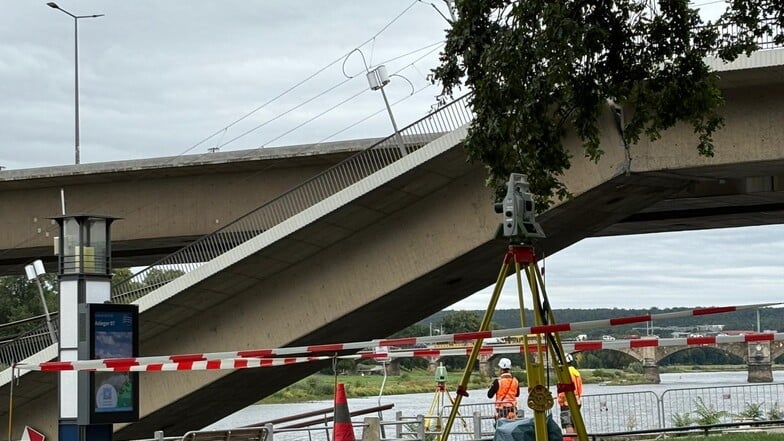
x=739 y=350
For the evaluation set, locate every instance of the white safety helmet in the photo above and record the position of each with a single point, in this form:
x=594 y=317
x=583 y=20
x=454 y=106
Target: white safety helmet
x=569 y=358
x=504 y=363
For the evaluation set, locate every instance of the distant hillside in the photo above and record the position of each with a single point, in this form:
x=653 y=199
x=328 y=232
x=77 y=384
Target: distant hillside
x=770 y=318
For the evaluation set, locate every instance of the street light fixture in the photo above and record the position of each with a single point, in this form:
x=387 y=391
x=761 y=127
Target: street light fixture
x=33 y=271
x=76 y=18
x=377 y=79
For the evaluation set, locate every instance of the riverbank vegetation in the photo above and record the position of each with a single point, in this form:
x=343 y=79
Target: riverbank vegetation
x=321 y=386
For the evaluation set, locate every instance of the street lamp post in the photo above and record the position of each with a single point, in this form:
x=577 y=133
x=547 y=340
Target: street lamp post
x=378 y=78
x=33 y=271
x=76 y=71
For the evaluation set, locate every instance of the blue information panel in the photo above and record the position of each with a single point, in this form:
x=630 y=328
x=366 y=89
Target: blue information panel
x=114 y=396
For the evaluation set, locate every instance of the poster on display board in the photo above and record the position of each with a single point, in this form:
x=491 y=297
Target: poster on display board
x=112 y=332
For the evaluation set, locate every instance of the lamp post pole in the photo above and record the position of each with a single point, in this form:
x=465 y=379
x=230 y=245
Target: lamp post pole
x=33 y=271
x=76 y=71
x=378 y=78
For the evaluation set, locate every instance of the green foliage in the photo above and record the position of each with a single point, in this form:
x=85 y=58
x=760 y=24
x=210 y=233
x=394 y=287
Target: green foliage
x=319 y=386
x=635 y=367
x=682 y=419
x=155 y=276
x=540 y=68
x=706 y=414
x=522 y=378
x=19 y=299
x=701 y=356
x=775 y=412
x=752 y=411
x=461 y=321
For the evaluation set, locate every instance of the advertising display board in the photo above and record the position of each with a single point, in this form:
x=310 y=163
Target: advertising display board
x=112 y=332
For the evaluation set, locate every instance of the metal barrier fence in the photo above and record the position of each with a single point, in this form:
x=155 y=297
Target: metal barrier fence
x=604 y=415
x=722 y=404
x=621 y=412
x=625 y=412
x=472 y=419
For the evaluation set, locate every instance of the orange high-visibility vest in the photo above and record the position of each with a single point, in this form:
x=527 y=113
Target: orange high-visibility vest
x=577 y=380
x=506 y=396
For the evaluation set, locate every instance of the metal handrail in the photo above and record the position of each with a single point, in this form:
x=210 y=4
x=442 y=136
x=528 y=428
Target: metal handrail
x=327 y=183
x=764 y=42
x=27 y=344
x=301 y=197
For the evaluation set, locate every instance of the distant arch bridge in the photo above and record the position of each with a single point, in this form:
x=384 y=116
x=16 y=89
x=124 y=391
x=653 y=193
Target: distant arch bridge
x=757 y=350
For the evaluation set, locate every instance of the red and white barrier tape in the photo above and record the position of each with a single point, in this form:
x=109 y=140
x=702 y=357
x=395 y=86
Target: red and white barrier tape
x=126 y=363
x=591 y=345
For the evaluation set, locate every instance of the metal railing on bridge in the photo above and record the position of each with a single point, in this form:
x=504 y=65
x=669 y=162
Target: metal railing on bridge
x=346 y=173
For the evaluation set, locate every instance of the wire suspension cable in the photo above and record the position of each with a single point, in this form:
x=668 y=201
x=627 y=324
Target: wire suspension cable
x=300 y=83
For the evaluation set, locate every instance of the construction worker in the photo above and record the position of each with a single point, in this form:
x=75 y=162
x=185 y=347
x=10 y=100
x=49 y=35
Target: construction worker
x=506 y=389
x=577 y=380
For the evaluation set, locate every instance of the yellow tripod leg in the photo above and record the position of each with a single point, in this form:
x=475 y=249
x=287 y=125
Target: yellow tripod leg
x=484 y=326
x=431 y=413
x=539 y=398
x=462 y=420
x=562 y=370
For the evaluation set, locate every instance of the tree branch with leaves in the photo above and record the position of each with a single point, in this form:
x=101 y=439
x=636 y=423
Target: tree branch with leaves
x=538 y=68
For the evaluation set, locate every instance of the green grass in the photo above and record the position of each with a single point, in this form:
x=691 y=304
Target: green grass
x=321 y=387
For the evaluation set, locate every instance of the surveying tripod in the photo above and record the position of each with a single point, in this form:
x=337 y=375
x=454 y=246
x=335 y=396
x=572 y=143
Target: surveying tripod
x=519 y=225
x=438 y=403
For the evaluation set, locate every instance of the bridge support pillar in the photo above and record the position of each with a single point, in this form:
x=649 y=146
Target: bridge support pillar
x=432 y=363
x=650 y=372
x=393 y=367
x=759 y=364
x=650 y=369
x=484 y=366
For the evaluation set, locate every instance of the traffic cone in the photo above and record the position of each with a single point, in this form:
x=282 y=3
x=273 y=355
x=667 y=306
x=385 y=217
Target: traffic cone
x=342 y=429
x=30 y=434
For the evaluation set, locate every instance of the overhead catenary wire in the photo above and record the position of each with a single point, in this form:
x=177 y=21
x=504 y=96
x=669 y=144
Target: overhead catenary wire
x=303 y=81
x=333 y=87
x=414 y=92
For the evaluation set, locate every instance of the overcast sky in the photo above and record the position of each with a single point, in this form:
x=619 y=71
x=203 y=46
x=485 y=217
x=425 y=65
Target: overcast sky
x=160 y=78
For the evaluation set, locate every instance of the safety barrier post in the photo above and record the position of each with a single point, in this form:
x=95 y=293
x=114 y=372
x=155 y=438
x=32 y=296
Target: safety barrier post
x=371 y=430
x=158 y=435
x=270 y=431
x=477 y=425
x=421 y=427
x=399 y=425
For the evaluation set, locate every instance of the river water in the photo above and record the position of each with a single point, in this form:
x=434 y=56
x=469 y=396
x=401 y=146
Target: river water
x=414 y=404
